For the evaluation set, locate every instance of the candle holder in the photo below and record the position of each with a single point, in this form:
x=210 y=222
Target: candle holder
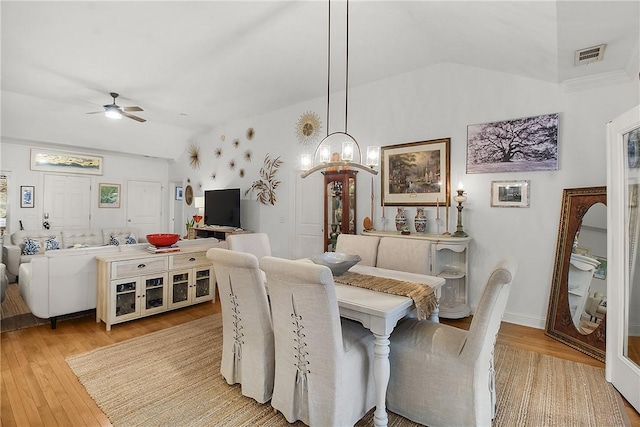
x=460 y=199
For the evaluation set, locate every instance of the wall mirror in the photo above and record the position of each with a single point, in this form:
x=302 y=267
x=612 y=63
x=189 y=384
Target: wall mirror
x=578 y=300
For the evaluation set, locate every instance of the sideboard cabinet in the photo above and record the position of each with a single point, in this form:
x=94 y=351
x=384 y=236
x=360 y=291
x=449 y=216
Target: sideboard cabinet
x=448 y=259
x=132 y=285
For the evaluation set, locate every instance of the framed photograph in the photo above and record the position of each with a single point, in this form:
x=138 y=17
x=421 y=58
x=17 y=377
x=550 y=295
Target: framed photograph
x=64 y=162
x=109 y=195
x=179 y=193
x=27 y=195
x=510 y=194
x=521 y=145
x=601 y=271
x=416 y=173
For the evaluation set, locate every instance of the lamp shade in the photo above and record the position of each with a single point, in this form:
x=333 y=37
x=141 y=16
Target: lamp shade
x=199 y=202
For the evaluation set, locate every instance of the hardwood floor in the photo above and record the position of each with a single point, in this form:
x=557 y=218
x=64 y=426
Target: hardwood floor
x=39 y=389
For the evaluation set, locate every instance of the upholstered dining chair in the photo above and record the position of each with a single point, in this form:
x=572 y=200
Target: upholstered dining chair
x=442 y=375
x=252 y=243
x=247 y=343
x=365 y=246
x=324 y=364
x=410 y=255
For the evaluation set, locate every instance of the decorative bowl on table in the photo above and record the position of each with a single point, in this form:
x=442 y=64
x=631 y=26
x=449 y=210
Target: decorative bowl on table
x=162 y=240
x=338 y=262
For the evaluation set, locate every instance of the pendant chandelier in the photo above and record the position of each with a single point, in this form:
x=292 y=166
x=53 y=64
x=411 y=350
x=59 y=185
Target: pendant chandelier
x=325 y=156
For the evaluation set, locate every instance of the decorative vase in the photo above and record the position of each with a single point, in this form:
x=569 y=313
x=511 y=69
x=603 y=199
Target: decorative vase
x=333 y=236
x=420 y=221
x=401 y=220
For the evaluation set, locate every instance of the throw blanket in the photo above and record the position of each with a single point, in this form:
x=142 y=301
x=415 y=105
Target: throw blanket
x=422 y=295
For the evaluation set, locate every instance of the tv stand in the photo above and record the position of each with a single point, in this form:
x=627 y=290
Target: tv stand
x=220 y=233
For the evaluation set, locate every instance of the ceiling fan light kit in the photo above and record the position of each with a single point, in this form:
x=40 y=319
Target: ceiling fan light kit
x=114 y=111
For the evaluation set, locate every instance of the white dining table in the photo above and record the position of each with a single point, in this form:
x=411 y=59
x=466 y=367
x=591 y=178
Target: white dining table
x=380 y=312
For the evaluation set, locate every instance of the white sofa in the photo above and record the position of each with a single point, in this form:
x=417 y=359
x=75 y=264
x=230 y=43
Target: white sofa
x=13 y=253
x=65 y=281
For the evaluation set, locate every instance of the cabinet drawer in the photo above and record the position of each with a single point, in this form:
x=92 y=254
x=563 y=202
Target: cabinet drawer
x=138 y=267
x=189 y=260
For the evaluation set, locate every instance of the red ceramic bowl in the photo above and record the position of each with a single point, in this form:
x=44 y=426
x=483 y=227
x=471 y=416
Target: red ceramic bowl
x=162 y=239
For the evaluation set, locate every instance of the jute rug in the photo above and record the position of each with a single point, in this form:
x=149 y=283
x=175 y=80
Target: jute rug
x=172 y=378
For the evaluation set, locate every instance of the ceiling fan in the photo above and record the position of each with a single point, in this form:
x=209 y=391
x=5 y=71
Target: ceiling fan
x=115 y=111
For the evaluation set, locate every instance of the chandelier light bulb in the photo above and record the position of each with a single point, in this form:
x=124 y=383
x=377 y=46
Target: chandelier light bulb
x=347 y=151
x=325 y=154
x=373 y=156
x=306 y=162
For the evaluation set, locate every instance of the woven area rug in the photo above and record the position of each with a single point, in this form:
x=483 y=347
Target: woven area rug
x=172 y=377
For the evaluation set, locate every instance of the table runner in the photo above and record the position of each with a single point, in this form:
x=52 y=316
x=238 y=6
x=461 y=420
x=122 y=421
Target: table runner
x=422 y=294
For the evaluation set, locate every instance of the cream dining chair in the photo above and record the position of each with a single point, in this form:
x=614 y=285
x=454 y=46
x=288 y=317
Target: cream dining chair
x=324 y=364
x=247 y=342
x=410 y=255
x=442 y=375
x=252 y=243
x=365 y=246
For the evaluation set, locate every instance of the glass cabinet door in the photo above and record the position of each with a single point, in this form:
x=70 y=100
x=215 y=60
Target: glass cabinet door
x=202 y=288
x=179 y=291
x=125 y=298
x=340 y=205
x=155 y=295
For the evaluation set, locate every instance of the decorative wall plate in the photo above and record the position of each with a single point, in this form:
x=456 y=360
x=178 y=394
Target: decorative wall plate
x=308 y=128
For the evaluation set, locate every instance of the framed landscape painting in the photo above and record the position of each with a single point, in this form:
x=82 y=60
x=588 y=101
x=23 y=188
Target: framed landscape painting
x=527 y=144
x=61 y=161
x=416 y=173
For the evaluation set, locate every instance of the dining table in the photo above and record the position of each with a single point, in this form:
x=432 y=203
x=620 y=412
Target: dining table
x=380 y=312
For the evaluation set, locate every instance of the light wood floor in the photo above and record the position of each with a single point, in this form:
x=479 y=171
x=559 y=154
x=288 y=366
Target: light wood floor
x=39 y=389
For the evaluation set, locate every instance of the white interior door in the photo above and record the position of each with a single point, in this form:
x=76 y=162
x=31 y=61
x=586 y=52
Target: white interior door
x=309 y=215
x=144 y=206
x=623 y=292
x=67 y=201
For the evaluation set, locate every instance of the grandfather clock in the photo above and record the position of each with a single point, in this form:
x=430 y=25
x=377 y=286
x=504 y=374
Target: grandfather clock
x=339 y=205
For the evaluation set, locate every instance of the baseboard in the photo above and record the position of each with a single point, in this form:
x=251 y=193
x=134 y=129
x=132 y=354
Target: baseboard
x=529 y=321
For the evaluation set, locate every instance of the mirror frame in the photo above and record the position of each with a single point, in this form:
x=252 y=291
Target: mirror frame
x=575 y=204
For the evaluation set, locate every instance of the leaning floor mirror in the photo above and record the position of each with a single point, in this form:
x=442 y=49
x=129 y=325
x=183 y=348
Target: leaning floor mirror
x=578 y=301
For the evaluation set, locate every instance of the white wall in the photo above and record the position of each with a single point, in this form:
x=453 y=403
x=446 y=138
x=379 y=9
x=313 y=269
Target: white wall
x=117 y=169
x=428 y=104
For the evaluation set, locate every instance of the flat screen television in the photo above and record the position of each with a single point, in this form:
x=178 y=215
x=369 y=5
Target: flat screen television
x=222 y=207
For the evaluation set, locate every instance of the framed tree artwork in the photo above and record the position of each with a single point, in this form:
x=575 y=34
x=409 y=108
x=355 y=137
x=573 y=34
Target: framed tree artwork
x=416 y=173
x=520 y=145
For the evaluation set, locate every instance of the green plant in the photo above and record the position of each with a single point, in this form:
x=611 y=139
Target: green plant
x=190 y=224
x=267 y=184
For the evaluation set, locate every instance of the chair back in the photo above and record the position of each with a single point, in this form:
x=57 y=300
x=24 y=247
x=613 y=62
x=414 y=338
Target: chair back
x=308 y=338
x=248 y=342
x=252 y=243
x=483 y=331
x=410 y=255
x=365 y=246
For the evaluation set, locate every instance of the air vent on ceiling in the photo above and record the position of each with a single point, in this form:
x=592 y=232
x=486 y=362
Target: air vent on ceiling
x=590 y=54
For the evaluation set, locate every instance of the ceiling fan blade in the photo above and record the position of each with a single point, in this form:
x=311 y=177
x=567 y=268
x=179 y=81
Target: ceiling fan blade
x=96 y=112
x=136 y=118
x=132 y=109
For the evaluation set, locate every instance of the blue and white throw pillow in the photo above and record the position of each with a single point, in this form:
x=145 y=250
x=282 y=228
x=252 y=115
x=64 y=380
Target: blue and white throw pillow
x=130 y=240
x=31 y=246
x=113 y=240
x=51 y=244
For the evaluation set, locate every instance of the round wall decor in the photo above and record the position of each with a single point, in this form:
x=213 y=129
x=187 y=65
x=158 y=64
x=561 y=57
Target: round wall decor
x=308 y=128
x=188 y=195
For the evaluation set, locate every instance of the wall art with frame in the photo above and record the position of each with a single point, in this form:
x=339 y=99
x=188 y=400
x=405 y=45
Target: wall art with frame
x=520 y=145
x=109 y=195
x=510 y=194
x=416 y=173
x=61 y=161
x=27 y=196
x=179 y=193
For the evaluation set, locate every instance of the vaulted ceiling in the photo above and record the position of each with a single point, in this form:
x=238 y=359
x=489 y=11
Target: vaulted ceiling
x=195 y=65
